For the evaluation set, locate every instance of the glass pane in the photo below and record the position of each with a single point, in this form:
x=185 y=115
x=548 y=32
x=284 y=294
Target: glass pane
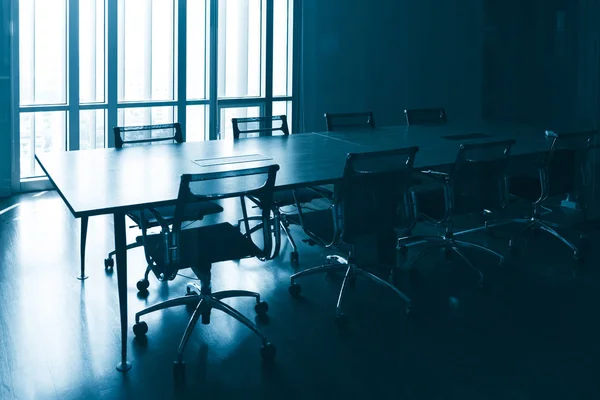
x=284 y=108
x=43 y=51
x=41 y=132
x=91 y=51
x=146 y=50
x=282 y=47
x=226 y=130
x=92 y=129
x=146 y=116
x=197 y=49
x=241 y=44
x=197 y=123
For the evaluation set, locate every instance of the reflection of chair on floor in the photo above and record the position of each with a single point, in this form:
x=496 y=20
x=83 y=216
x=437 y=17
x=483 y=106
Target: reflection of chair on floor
x=566 y=168
x=244 y=128
x=375 y=197
x=199 y=248
x=477 y=182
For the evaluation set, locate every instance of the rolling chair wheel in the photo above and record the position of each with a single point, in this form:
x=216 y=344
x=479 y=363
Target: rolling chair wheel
x=140 y=329
x=409 y=309
x=109 y=263
x=143 y=285
x=261 y=308
x=294 y=257
x=268 y=351
x=179 y=370
x=448 y=254
x=295 y=289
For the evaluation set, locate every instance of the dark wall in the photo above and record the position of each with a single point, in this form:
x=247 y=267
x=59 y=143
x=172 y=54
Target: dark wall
x=386 y=56
x=5 y=104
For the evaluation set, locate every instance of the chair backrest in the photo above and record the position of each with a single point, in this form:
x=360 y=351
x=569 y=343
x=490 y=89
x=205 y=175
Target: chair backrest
x=375 y=193
x=259 y=126
x=127 y=136
x=425 y=116
x=561 y=166
x=349 y=121
x=258 y=182
x=479 y=174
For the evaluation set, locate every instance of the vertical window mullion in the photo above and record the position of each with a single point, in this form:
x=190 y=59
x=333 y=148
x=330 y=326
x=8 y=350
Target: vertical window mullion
x=268 y=109
x=73 y=74
x=214 y=64
x=111 y=52
x=181 y=40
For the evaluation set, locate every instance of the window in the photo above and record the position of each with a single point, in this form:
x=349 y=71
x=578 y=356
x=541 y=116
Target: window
x=75 y=84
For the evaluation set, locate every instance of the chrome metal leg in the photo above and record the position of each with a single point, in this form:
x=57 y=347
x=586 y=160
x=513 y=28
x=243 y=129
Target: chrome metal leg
x=226 y=294
x=189 y=328
x=557 y=235
x=83 y=238
x=468 y=262
x=288 y=234
x=179 y=301
x=420 y=240
x=479 y=247
x=315 y=270
x=349 y=271
x=337 y=259
x=232 y=312
x=193 y=288
x=388 y=285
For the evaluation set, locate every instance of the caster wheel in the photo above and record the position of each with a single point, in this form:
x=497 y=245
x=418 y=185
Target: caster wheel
x=261 y=308
x=295 y=289
x=109 y=263
x=179 y=370
x=501 y=262
x=268 y=351
x=206 y=318
x=341 y=320
x=482 y=286
x=410 y=310
x=576 y=256
x=294 y=257
x=143 y=285
x=140 y=329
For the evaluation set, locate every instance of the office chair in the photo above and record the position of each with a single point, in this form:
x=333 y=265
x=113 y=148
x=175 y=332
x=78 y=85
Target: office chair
x=349 y=121
x=569 y=156
x=269 y=126
x=375 y=197
x=199 y=248
x=425 y=116
x=161 y=216
x=477 y=182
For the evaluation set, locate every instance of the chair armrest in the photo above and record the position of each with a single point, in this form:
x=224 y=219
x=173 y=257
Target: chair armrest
x=442 y=176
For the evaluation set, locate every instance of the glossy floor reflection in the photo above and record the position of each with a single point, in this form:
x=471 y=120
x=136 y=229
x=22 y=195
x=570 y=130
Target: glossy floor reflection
x=533 y=334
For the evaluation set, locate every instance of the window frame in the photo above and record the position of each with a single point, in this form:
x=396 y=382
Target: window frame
x=111 y=105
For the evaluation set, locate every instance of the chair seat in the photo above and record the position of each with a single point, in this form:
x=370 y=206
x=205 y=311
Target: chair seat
x=286 y=197
x=193 y=212
x=206 y=245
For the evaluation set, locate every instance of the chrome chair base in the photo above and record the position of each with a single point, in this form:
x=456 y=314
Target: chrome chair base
x=449 y=243
x=203 y=302
x=532 y=224
x=337 y=263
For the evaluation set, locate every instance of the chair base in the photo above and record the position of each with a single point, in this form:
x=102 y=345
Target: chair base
x=203 y=302
x=535 y=224
x=337 y=263
x=450 y=244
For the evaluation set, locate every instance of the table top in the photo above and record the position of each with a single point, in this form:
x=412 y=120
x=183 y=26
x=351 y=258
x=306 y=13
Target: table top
x=102 y=181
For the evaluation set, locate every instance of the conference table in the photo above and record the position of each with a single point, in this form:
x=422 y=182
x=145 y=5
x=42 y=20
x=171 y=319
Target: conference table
x=119 y=181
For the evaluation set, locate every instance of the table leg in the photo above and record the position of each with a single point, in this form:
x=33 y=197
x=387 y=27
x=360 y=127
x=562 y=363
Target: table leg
x=121 y=256
x=83 y=239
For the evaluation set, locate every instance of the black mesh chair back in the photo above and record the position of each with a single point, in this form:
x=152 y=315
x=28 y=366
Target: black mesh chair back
x=128 y=136
x=260 y=126
x=349 y=121
x=590 y=173
x=258 y=182
x=375 y=194
x=425 y=116
x=561 y=166
x=479 y=175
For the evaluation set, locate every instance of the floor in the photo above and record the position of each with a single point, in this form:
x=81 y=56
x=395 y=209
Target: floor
x=531 y=334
